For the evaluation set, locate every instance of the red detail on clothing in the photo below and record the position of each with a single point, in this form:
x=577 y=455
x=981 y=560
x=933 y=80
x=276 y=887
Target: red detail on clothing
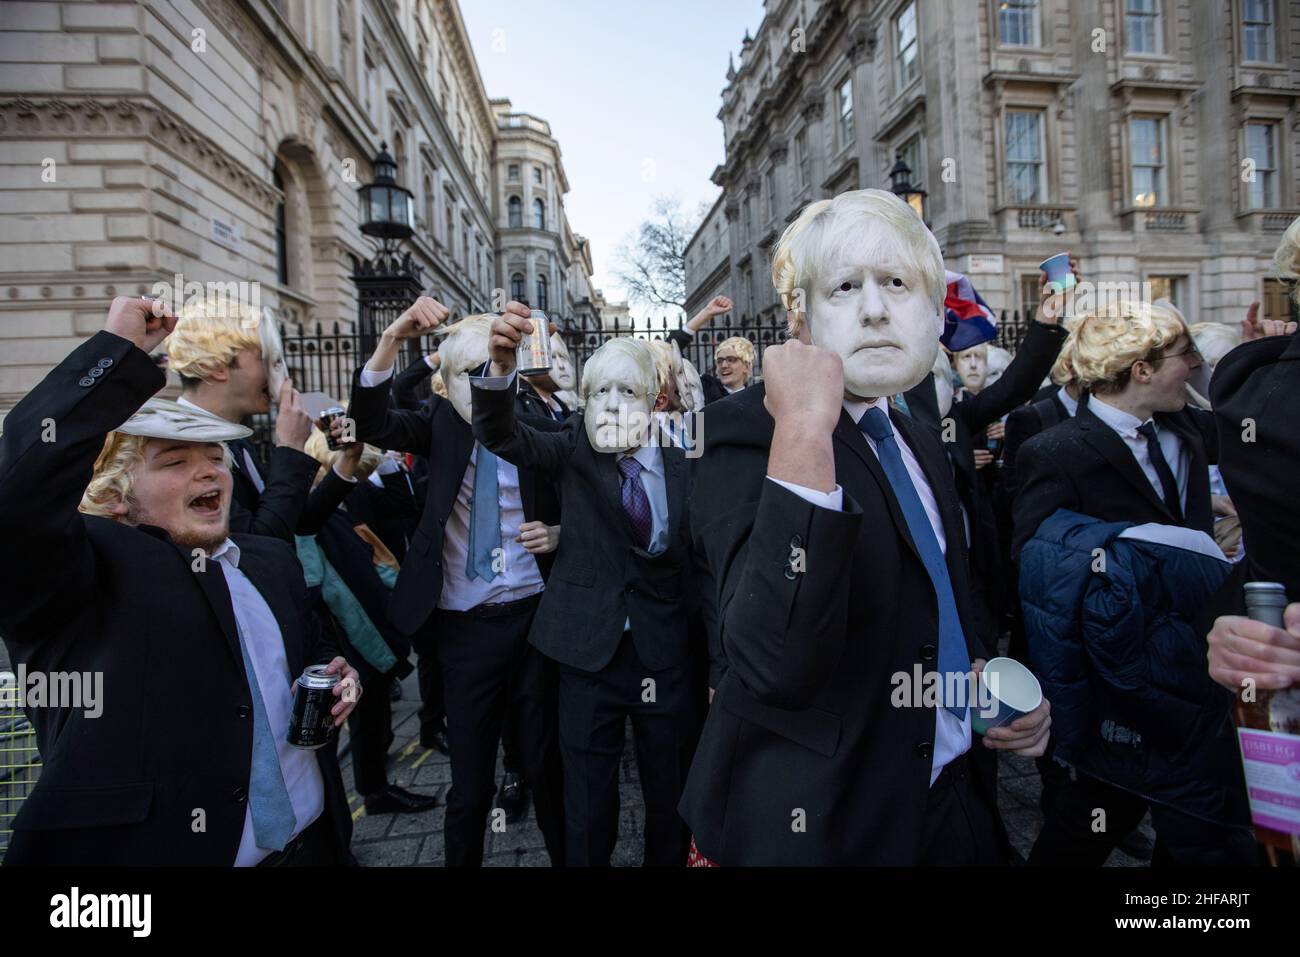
x=695 y=859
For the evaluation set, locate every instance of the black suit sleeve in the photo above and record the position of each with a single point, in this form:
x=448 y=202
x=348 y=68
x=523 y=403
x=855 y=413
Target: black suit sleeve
x=47 y=456
x=782 y=631
x=407 y=382
x=1032 y=363
x=1044 y=488
x=498 y=427
x=280 y=505
x=1022 y=425
x=377 y=423
x=323 y=500
x=681 y=337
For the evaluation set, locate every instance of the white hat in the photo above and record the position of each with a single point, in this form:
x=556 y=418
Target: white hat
x=165 y=419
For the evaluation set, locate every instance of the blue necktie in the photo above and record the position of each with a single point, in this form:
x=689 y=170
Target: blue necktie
x=484 y=519
x=268 y=798
x=953 y=657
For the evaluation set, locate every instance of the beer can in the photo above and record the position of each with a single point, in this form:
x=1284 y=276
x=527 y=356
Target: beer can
x=535 y=347
x=1266 y=602
x=312 y=724
x=326 y=419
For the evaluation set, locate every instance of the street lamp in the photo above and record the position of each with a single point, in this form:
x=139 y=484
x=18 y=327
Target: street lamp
x=387 y=209
x=900 y=184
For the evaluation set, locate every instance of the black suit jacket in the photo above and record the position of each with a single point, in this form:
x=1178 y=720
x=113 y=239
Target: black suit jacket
x=1042 y=412
x=803 y=717
x=87 y=594
x=438 y=432
x=1082 y=464
x=976 y=489
x=287 y=504
x=1260 y=382
x=601 y=579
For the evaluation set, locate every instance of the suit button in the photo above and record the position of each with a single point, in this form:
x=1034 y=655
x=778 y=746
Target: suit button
x=928 y=652
x=243 y=711
x=104 y=363
x=85 y=381
x=240 y=795
x=924 y=749
x=94 y=372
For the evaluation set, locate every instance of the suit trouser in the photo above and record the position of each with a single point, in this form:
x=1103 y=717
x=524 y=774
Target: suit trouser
x=960 y=825
x=433 y=710
x=594 y=708
x=490 y=671
x=370 y=723
x=1068 y=838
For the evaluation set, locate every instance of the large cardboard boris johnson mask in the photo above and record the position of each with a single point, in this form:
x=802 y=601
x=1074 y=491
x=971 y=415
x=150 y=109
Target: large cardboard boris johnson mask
x=463 y=351
x=619 y=387
x=864 y=277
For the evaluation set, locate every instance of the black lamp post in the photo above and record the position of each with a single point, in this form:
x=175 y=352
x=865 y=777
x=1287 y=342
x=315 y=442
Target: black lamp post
x=900 y=184
x=387 y=209
x=391 y=281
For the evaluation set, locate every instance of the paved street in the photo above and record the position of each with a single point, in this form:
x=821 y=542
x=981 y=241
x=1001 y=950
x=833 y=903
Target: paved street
x=417 y=839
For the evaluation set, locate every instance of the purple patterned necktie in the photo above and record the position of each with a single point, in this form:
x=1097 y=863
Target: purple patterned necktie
x=636 y=504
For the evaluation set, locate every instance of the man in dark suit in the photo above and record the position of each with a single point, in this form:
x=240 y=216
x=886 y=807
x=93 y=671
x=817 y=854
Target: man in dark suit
x=1133 y=452
x=197 y=632
x=227 y=356
x=832 y=529
x=614 y=612
x=474 y=574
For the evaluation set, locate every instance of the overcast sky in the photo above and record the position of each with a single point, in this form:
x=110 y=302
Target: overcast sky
x=631 y=90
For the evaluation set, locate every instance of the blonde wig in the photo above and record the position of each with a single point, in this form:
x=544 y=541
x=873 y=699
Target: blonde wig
x=210 y=332
x=738 y=346
x=810 y=242
x=113 y=476
x=1103 y=346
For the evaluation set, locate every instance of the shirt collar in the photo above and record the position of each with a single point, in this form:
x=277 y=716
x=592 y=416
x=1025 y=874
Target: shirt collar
x=1117 y=419
x=649 y=456
x=857 y=408
x=1071 y=404
x=229 y=551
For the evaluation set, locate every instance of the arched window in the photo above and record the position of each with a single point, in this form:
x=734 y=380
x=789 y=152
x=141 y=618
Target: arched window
x=539 y=214
x=516 y=207
x=517 y=287
x=541 y=293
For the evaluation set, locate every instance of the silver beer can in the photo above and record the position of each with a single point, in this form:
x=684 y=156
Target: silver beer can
x=535 y=347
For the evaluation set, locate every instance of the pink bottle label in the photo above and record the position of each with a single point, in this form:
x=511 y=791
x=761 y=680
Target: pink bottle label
x=1272 y=764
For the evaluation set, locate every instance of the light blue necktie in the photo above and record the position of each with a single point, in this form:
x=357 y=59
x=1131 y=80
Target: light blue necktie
x=953 y=657
x=484 y=519
x=268 y=798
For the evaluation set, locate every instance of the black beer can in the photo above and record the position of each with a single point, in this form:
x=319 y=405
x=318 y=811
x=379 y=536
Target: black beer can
x=326 y=420
x=312 y=724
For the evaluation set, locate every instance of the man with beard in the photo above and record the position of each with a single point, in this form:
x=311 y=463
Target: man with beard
x=832 y=528
x=198 y=633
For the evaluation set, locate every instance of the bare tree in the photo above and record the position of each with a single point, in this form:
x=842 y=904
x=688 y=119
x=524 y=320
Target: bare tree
x=651 y=264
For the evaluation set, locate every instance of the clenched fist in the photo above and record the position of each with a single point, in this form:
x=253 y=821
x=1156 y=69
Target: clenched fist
x=804 y=385
x=422 y=317
x=143 y=322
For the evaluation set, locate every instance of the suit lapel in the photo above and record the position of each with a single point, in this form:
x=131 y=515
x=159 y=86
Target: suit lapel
x=938 y=473
x=212 y=581
x=674 y=485
x=453 y=443
x=1107 y=442
x=849 y=436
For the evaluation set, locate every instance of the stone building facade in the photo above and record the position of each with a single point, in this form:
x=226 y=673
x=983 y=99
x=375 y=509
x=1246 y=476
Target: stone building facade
x=1158 y=140
x=224 y=140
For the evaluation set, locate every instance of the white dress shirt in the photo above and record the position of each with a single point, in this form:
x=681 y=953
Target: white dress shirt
x=520 y=576
x=1126 y=426
x=951 y=737
x=261 y=635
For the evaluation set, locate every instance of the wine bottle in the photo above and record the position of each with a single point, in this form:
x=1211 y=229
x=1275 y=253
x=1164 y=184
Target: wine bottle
x=1268 y=731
